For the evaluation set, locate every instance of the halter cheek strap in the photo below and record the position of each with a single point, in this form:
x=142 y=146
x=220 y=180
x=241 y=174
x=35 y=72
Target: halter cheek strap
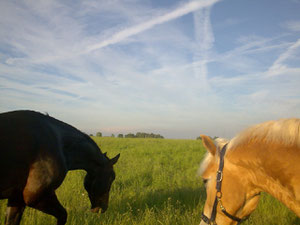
x=212 y=220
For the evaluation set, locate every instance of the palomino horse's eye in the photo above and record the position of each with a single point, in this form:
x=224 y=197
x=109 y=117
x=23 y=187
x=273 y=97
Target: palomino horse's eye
x=205 y=181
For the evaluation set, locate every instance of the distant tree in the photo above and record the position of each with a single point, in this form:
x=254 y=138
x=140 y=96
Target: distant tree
x=130 y=135
x=143 y=135
x=199 y=138
x=99 y=134
x=91 y=135
x=112 y=135
x=147 y=135
x=140 y=135
x=158 y=136
x=120 y=135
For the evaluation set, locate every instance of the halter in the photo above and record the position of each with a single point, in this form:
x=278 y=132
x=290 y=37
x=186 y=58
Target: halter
x=212 y=220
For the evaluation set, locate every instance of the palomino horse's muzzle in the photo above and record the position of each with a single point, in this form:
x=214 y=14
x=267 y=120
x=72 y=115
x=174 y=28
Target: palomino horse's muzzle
x=212 y=219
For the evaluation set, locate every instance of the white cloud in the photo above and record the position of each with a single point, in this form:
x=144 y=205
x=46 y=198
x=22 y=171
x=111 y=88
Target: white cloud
x=293 y=25
x=204 y=38
x=278 y=67
x=128 y=32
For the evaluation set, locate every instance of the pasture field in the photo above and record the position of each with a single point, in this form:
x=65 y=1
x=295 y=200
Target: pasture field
x=156 y=184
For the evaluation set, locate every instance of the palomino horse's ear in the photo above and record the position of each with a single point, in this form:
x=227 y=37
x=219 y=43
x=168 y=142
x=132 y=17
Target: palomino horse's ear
x=208 y=144
x=115 y=159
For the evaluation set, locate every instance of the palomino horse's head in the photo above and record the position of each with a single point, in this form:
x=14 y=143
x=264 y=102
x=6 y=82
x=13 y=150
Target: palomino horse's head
x=230 y=198
x=98 y=184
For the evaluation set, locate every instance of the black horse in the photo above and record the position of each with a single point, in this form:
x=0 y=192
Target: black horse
x=36 y=152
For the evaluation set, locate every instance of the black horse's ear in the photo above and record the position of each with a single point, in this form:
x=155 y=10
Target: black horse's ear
x=105 y=154
x=115 y=159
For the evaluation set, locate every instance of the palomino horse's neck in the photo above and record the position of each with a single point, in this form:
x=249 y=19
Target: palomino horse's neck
x=271 y=168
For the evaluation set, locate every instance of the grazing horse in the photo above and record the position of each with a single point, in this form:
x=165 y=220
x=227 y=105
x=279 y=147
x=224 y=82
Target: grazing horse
x=36 y=152
x=263 y=158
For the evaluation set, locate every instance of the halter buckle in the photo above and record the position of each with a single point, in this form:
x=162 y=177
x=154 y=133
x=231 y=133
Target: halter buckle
x=219 y=176
x=221 y=205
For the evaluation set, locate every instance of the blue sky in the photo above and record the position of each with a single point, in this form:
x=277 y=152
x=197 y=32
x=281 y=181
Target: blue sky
x=178 y=68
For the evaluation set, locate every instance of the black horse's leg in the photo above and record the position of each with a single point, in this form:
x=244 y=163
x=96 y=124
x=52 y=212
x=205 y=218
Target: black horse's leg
x=14 y=211
x=49 y=204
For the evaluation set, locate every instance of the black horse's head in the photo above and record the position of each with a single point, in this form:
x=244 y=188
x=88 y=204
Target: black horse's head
x=98 y=184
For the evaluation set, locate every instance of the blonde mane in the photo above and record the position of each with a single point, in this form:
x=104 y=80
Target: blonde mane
x=219 y=142
x=283 y=131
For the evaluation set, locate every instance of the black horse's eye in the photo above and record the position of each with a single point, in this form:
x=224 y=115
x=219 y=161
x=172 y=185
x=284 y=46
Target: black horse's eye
x=87 y=182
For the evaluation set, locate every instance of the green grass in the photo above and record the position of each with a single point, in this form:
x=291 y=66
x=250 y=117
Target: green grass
x=156 y=183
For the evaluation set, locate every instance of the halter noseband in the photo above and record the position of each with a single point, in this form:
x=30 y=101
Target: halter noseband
x=212 y=220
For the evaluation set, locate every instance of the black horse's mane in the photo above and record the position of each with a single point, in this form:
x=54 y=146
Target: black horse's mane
x=82 y=134
x=64 y=125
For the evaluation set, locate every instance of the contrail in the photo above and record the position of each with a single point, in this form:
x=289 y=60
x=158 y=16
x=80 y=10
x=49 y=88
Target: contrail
x=278 y=65
x=180 y=11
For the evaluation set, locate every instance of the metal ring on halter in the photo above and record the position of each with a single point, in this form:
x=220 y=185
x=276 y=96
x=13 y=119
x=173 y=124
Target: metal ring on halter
x=219 y=195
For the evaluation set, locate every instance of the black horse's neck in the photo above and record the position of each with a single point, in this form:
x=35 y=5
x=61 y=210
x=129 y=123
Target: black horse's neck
x=82 y=153
x=79 y=150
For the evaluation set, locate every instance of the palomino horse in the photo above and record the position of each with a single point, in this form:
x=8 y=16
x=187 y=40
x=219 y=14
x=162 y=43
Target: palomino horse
x=263 y=158
x=36 y=152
